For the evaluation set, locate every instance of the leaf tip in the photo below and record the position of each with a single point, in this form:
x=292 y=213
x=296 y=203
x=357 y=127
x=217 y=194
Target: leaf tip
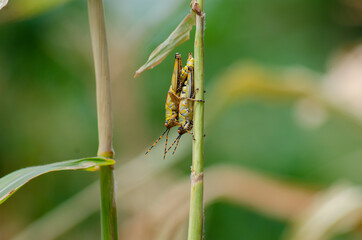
x=3 y=3
x=136 y=74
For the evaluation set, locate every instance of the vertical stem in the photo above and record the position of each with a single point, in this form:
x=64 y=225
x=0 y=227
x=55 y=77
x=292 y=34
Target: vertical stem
x=196 y=218
x=108 y=204
x=104 y=110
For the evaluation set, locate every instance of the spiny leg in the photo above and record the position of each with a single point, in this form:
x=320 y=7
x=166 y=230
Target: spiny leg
x=194 y=95
x=191 y=99
x=174 y=96
x=192 y=134
x=154 y=144
x=164 y=154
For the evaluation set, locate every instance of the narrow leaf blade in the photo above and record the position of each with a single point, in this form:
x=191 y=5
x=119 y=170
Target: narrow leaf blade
x=10 y=183
x=176 y=38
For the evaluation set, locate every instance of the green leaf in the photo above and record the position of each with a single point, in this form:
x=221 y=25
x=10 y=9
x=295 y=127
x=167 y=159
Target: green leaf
x=10 y=183
x=3 y=3
x=176 y=38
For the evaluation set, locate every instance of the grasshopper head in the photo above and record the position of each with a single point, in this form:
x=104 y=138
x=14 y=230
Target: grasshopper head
x=186 y=127
x=171 y=123
x=181 y=130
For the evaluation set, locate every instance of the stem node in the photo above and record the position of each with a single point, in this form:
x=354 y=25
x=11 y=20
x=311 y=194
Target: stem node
x=195 y=178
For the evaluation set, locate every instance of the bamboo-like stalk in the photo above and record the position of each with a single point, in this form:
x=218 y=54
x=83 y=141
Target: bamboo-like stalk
x=196 y=218
x=104 y=110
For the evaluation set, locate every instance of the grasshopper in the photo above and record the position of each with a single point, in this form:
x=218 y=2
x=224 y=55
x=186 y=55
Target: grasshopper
x=173 y=98
x=186 y=107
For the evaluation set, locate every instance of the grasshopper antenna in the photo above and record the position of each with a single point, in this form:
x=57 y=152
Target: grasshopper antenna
x=154 y=144
x=164 y=154
x=176 y=140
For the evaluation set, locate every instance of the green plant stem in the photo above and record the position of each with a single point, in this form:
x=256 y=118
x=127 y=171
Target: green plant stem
x=104 y=110
x=108 y=204
x=196 y=217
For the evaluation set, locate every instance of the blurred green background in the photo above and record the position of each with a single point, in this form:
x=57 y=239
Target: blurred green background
x=48 y=108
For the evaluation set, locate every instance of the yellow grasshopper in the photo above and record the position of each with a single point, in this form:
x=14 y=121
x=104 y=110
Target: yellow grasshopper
x=186 y=106
x=172 y=101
